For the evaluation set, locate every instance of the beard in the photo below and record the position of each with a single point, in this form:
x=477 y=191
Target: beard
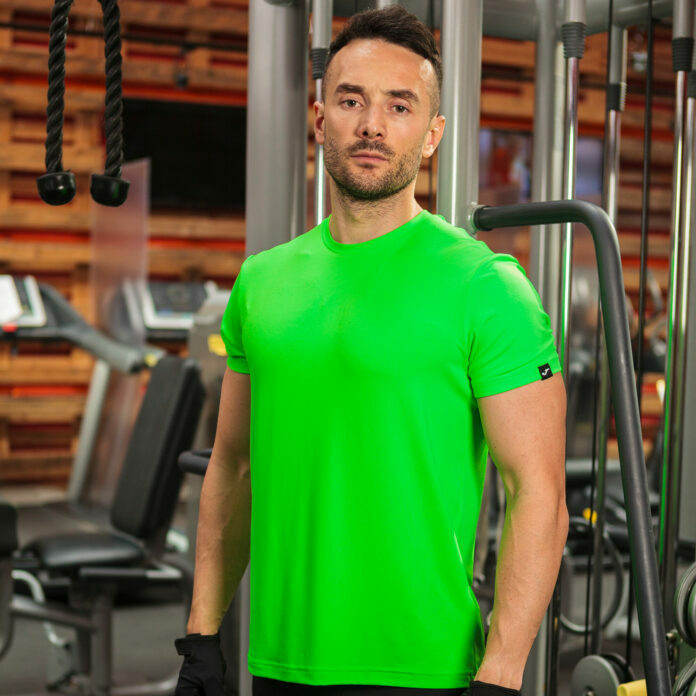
x=364 y=185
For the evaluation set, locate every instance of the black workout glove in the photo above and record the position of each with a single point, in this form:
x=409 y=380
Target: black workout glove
x=203 y=671
x=479 y=688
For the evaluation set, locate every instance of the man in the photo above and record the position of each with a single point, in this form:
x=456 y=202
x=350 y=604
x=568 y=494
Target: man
x=372 y=363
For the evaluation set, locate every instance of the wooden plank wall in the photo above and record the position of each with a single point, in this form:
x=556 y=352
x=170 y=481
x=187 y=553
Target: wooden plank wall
x=43 y=388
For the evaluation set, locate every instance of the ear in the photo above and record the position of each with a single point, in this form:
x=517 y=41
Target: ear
x=433 y=136
x=319 y=122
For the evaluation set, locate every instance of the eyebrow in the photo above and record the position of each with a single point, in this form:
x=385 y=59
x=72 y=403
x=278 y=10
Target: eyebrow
x=406 y=94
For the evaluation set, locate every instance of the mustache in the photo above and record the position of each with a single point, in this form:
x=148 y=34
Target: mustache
x=381 y=148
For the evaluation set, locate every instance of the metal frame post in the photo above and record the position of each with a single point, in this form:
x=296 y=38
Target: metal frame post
x=457 y=175
x=276 y=162
x=322 y=14
x=687 y=523
x=616 y=100
x=682 y=53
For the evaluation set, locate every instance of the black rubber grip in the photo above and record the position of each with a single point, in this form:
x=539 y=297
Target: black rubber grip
x=682 y=52
x=691 y=85
x=573 y=34
x=616 y=96
x=318 y=56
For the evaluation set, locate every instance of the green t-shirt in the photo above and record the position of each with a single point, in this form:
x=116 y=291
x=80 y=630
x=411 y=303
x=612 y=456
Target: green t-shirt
x=367 y=451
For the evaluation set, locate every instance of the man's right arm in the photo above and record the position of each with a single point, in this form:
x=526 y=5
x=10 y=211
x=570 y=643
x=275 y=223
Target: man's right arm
x=224 y=518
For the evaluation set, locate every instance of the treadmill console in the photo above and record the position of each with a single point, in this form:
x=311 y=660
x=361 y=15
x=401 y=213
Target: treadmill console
x=20 y=302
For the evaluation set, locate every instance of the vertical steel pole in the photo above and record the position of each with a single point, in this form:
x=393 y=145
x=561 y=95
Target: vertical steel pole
x=547 y=157
x=573 y=34
x=616 y=99
x=457 y=175
x=687 y=521
x=379 y=4
x=276 y=166
x=682 y=50
x=276 y=163
x=545 y=241
x=322 y=14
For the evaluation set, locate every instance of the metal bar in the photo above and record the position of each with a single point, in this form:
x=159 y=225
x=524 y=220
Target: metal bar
x=276 y=124
x=569 y=165
x=603 y=399
x=674 y=371
x=617 y=83
x=547 y=157
x=545 y=241
x=573 y=33
x=674 y=404
x=457 y=176
x=628 y=427
x=26 y=608
x=89 y=429
x=322 y=14
x=687 y=525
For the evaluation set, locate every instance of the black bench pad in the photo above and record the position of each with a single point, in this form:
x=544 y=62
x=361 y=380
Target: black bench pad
x=67 y=551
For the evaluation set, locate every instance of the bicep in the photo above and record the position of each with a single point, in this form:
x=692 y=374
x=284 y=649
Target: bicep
x=525 y=431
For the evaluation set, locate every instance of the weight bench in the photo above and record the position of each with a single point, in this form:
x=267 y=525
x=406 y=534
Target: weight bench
x=96 y=565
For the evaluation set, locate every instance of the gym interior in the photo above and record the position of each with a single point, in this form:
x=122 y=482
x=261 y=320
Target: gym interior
x=570 y=145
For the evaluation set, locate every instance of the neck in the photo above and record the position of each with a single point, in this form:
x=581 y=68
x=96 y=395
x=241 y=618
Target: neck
x=354 y=221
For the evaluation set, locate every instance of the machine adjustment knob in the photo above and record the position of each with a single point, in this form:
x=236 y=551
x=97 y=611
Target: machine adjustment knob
x=109 y=190
x=56 y=188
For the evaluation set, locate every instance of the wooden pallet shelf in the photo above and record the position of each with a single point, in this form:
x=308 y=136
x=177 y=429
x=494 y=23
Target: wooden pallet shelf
x=41 y=409
x=36 y=467
x=54 y=243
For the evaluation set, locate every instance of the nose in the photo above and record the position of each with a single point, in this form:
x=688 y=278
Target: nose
x=371 y=125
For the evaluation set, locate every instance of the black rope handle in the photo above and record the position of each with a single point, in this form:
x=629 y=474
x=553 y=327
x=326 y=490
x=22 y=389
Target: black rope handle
x=108 y=188
x=56 y=187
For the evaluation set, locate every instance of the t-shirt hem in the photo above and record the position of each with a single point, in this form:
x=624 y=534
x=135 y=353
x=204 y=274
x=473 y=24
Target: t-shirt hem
x=237 y=365
x=325 y=676
x=526 y=374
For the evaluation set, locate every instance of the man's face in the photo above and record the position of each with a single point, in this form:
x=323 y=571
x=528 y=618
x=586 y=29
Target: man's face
x=375 y=124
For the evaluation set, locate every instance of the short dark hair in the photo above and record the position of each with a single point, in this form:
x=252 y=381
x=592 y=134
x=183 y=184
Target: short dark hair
x=395 y=25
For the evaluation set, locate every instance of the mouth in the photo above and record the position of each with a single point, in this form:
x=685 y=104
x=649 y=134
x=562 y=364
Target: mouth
x=368 y=157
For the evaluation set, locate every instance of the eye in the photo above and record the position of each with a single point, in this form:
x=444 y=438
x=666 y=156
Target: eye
x=350 y=102
x=401 y=109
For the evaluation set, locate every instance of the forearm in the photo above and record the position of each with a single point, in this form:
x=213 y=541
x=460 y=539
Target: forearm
x=531 y=547
x=222 y=545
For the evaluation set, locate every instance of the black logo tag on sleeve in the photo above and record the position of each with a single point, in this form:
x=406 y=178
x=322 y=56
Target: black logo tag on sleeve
x=545 y=371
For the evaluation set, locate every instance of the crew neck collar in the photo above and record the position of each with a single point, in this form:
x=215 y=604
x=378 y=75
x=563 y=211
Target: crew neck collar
x=384 y=241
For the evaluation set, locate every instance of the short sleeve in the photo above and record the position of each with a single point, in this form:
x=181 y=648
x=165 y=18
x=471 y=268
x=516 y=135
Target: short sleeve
x=511 y=341
x=231 y=327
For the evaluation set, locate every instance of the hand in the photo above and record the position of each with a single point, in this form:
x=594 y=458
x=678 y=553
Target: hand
x=480 y=688
x=204 y=667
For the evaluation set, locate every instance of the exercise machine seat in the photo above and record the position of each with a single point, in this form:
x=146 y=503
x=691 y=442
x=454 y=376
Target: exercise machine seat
x=66 y=552
x=149 y=481
x=8 y=528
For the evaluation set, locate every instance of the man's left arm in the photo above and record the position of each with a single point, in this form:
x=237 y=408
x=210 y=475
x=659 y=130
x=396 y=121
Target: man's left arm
x=525 y=430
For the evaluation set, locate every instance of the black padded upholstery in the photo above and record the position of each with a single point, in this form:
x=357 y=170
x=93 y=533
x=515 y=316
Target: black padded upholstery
x=149 y=482
x=8 y=528
x=68 y=551
x=166 y=423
